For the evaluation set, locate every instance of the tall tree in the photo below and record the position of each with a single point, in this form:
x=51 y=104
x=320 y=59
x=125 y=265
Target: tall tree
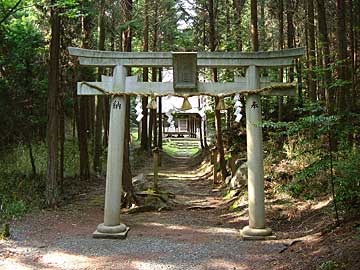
x=238 y=15
x=262 y=27
x=342 y=68
x=290 y=10
x=83 y=118
x=280 y=15
x=61 y=113
x=350 y=9
x=324 y=45
x=219 y=138
x=357 y=49
x=144 y=100
x=100 y=99
x=52 y=192
x=129 y=194
x=153 y=112
x=254 y=26
x=311 y=50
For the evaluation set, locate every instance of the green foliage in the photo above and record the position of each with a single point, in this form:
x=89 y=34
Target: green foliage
x=347 y=179
x=13 y=209
x=306 y=142
x=5 y=231
x=20 y=190
x=19 y=193
x=173 y=150
x=328 y=265
x=294 y=188
x=22 y=80
x=313 y=169
x=304 y=125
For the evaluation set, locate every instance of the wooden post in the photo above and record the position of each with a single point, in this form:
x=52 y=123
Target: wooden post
x=233 y=158
x=192 y=127
x=156 y=161
x=256 y=229
x=214 y=161
x=112 y=228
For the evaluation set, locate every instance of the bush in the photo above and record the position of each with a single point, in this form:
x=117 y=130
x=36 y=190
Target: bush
x=12 y=209
x=347 y=180
x=307 y=145
x=19 y=193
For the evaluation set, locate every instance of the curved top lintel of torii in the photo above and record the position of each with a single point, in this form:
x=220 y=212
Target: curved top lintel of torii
x=204 y=59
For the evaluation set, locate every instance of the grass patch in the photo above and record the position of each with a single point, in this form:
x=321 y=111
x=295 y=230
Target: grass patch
x=175 y=151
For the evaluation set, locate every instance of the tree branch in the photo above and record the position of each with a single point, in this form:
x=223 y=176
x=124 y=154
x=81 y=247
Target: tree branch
x=10 y=11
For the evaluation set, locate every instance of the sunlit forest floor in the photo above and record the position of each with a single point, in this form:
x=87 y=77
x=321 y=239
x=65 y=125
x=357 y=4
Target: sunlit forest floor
x=200 y=232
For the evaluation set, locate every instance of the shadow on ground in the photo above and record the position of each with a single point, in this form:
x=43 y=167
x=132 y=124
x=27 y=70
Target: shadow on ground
x=184 y=238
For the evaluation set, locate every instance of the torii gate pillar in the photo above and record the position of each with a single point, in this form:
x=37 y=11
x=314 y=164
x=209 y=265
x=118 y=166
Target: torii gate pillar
x=255 y=156
x=112 y=227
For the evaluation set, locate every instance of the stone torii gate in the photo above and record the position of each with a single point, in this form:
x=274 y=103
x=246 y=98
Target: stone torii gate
x=185 y=84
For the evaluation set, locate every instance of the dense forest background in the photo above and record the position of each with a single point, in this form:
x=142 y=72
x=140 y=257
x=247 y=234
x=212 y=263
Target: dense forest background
x=52 y=141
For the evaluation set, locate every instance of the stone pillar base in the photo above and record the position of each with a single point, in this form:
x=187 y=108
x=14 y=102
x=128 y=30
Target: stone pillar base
x=111 y=232
x=248 y=233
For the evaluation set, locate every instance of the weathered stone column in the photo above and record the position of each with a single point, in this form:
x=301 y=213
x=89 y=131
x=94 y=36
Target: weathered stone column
x=112 y=228
x=256 y=229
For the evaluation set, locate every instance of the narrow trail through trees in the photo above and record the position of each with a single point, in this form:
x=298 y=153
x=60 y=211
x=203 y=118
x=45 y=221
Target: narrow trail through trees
x=198 y=233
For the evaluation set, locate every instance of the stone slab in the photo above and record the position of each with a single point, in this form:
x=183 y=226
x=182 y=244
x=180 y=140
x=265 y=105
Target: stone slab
x=257 y=238
x=248 y=233
x=120 y=235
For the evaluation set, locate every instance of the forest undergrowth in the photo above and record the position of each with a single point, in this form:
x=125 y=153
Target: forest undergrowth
x=314 y=157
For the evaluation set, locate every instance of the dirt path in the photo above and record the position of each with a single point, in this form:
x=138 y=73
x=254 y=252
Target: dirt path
x=181 y=239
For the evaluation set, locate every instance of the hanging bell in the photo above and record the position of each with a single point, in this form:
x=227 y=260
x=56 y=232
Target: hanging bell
x=221 y=105
x=186 y=105
x=152 y=105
